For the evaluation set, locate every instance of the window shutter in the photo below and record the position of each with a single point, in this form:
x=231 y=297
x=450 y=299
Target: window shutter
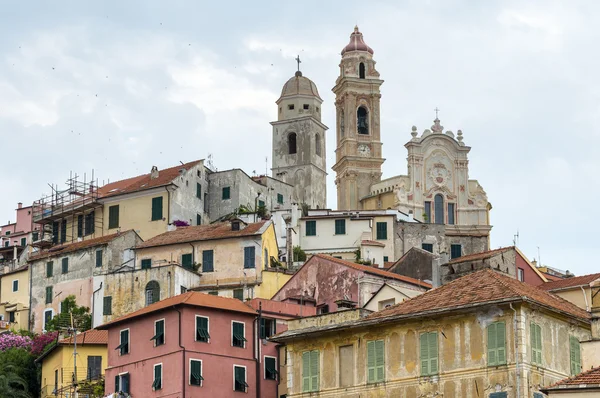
x=306 y=371
x=198 y=190
x=262 y=333
x=249 y=257
x=99 y=258
x=49 y=294
x=532 y=341
x=146 y=263
x=314 y=367
x=125 y=382
x=492 y=336
x=433 y=353
x=157 y=208
x=117 y=377
x=424 y=355
x=379 y=360
x=186 y=261
x=370 y=361
x=539 y=342
x=65 y=265
x=501 y=343
x=575 y=355
x=113 y=217
x=107 y=306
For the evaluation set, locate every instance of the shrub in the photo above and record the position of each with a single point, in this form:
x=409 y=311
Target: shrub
x=9 y=340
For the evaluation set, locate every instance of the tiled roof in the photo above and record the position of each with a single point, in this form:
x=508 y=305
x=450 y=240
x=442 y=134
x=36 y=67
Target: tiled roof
x=481 y=287
x=569 y=282
x=143 y=182
x=14 y=271
x=92 y=336
x=375 y=271
x=480 y=256
x=59 y=250
x=551 y=277
x=195 y=299
x=220 y=230
x=372 y=243
x=589 y=379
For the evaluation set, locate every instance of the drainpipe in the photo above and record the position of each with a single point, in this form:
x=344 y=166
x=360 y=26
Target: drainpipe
x=94 y=301
x=182 y=357
x=587 y=306
x=278 y=348
x=256 y=348
x=517 y=369
x=168 y=204
x=30 y=296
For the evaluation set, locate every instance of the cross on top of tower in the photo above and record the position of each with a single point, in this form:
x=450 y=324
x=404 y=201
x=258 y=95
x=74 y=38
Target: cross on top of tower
x=436 y=112
x=298 y=73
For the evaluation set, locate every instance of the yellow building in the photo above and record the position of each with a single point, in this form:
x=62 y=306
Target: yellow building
x=14 y=299
x=233 y=258
x=485 y=335
x=58 y=363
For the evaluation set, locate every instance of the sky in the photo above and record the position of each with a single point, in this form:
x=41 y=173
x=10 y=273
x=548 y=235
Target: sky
x=116 y=87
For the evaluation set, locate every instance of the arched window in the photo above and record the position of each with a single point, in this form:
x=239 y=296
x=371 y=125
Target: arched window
x=361 y=70
x=318 y=144
x=362 y=120
x=438 y=203
x=266 y=258
x=152 y=292
x=292 y=143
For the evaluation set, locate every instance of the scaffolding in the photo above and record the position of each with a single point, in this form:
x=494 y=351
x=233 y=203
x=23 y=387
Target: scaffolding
x=78 y=198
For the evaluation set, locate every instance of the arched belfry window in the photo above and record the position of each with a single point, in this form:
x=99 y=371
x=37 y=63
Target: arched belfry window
x=152 y=292
x=292 y=143
x=362 y=120
x=361 y=70
x=318 y=144
x=438 y=203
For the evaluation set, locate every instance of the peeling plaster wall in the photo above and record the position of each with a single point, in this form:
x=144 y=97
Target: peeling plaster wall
x=462 y=353
x=185 y=205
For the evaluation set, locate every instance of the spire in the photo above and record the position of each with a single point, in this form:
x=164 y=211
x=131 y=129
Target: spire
x=357 y=43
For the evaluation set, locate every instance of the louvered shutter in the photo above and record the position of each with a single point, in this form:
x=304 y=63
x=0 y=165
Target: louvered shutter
x=370 y=361
x=379 y=360
x=306 y=371
x=433 y=353
x=125 y=383
x=533 y=342
x=424 y=355
x=501 y=343
x=492 y=338
x=314 y=368
x=117 y=383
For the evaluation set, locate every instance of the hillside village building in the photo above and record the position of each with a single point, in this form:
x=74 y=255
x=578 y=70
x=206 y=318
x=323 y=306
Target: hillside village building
x=14 y=299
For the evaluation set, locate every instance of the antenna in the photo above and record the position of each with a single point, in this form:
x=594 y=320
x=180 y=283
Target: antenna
x=539 y=256
x=516 y=239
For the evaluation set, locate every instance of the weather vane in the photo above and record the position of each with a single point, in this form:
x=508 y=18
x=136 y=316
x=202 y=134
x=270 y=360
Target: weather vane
x=298 y=61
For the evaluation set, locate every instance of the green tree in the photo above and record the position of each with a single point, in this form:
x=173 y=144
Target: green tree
x=299 y=254
x=82 y=319
x=18 y=374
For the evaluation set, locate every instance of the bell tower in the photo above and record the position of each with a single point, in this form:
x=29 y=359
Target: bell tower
x=358 y=150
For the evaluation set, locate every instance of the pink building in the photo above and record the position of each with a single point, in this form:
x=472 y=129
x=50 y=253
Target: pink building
x=193 y=345
x=14 y=236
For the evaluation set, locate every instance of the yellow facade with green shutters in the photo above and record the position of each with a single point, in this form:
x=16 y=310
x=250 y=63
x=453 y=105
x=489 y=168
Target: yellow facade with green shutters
x=14 y=299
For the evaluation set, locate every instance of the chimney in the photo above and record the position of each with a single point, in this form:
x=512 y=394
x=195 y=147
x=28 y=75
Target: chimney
x=154 y=173
x=20 y=205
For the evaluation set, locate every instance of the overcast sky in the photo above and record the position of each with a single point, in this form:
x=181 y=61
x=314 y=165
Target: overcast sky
x=117 y=87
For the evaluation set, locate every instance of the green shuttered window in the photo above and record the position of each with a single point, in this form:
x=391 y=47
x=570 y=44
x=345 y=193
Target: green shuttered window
x=310 y=371
x=198 y=190
x=49 y=294
x=107 y=305
x=382 y=230
x=65 y=265
x=237 y=336
x=280 y=198
x=340 y=227
x=196 y=372
x=187 y=261
x=270 y=368
x=311 y=228
x=536 y=343
x=157 y=383
x=157 y=208
x=575 y=355
x=239 y=374
x=429 y=353
x=49 y=269
x=202 y=329
x=146 y=263
x=249 y=257
x=496 y=347
x=113 y=217
x=123 y=346
x=159 y=333
x=99 y=258
x=207 y=261
x=375 y=361
x=226 y=193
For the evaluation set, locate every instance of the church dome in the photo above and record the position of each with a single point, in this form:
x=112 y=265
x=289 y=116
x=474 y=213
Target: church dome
x=299 y=85
x=357 y=43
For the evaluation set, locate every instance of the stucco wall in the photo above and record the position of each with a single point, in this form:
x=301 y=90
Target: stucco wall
x=20 y=298
x=577 y=296
x=185 y=205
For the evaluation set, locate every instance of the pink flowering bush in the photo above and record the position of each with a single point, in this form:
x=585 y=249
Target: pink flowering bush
x=41 y=341
x=9 y=340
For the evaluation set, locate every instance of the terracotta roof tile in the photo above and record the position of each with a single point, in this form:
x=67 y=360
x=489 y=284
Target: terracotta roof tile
x=143 y=182
x=569 y=282
x=372 y=243
x=375 y=271
x=59 y=250
x=220 y=230
x=195 y=299
x=481 y=287
x=591 y=378
x=92 y=336
x=480 y=256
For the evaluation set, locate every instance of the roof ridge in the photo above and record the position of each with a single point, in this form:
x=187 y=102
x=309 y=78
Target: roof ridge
x=499 y=278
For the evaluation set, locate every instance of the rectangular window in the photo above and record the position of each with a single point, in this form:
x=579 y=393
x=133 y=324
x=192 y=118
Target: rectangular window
x=113 y=217
x=237 y=334
x=502 y=394
x=35 y=236
x=49 y=295
x=451 y=213
x=202 y=333
x=261 y=203
x=386 y=259
x=182 y=289
x=207 y=261
x=94 y=367
x=159 y=333
x=226 y=193
x=496 y=344
x=49 y=269
x=65 y=265
x=249 y=257
x=310 y=371
x=55 y=232
x=427 y=247
x=157 y=383
x=11 y=317
x=270 y=368
x=381 y=230
x=63 y=231
x=455 y=251
x=15 y=287
x=23 y=242
x=429 y=353
x=80 y=226
x=280 y=198
x=311 y=228
x=90 y=223
x=48 y=314
x=122 y=383
x=375 y=361
x=521 y=274
x=239 y=379
x=213 y=293
x=537 y=395
x=107 y=305
x=187 y=261
x=198 y=190
x=198 y=219
x=123 y=346
x=205 y=202
x=146 y=263
x=267 y=328
x=55 y=381
x=575 y=355
x=157 y=208
x=238 y=294
x=346 y=362
x=536 y=343
x=427 y=212
x=99 y=258
x=340 y=227
x=196 y=372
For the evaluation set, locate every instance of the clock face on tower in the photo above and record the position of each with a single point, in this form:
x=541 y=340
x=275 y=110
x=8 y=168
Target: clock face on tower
x=364 y=150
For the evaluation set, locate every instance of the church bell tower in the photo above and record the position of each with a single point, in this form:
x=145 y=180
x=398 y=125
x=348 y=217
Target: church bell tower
x=358 y=149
